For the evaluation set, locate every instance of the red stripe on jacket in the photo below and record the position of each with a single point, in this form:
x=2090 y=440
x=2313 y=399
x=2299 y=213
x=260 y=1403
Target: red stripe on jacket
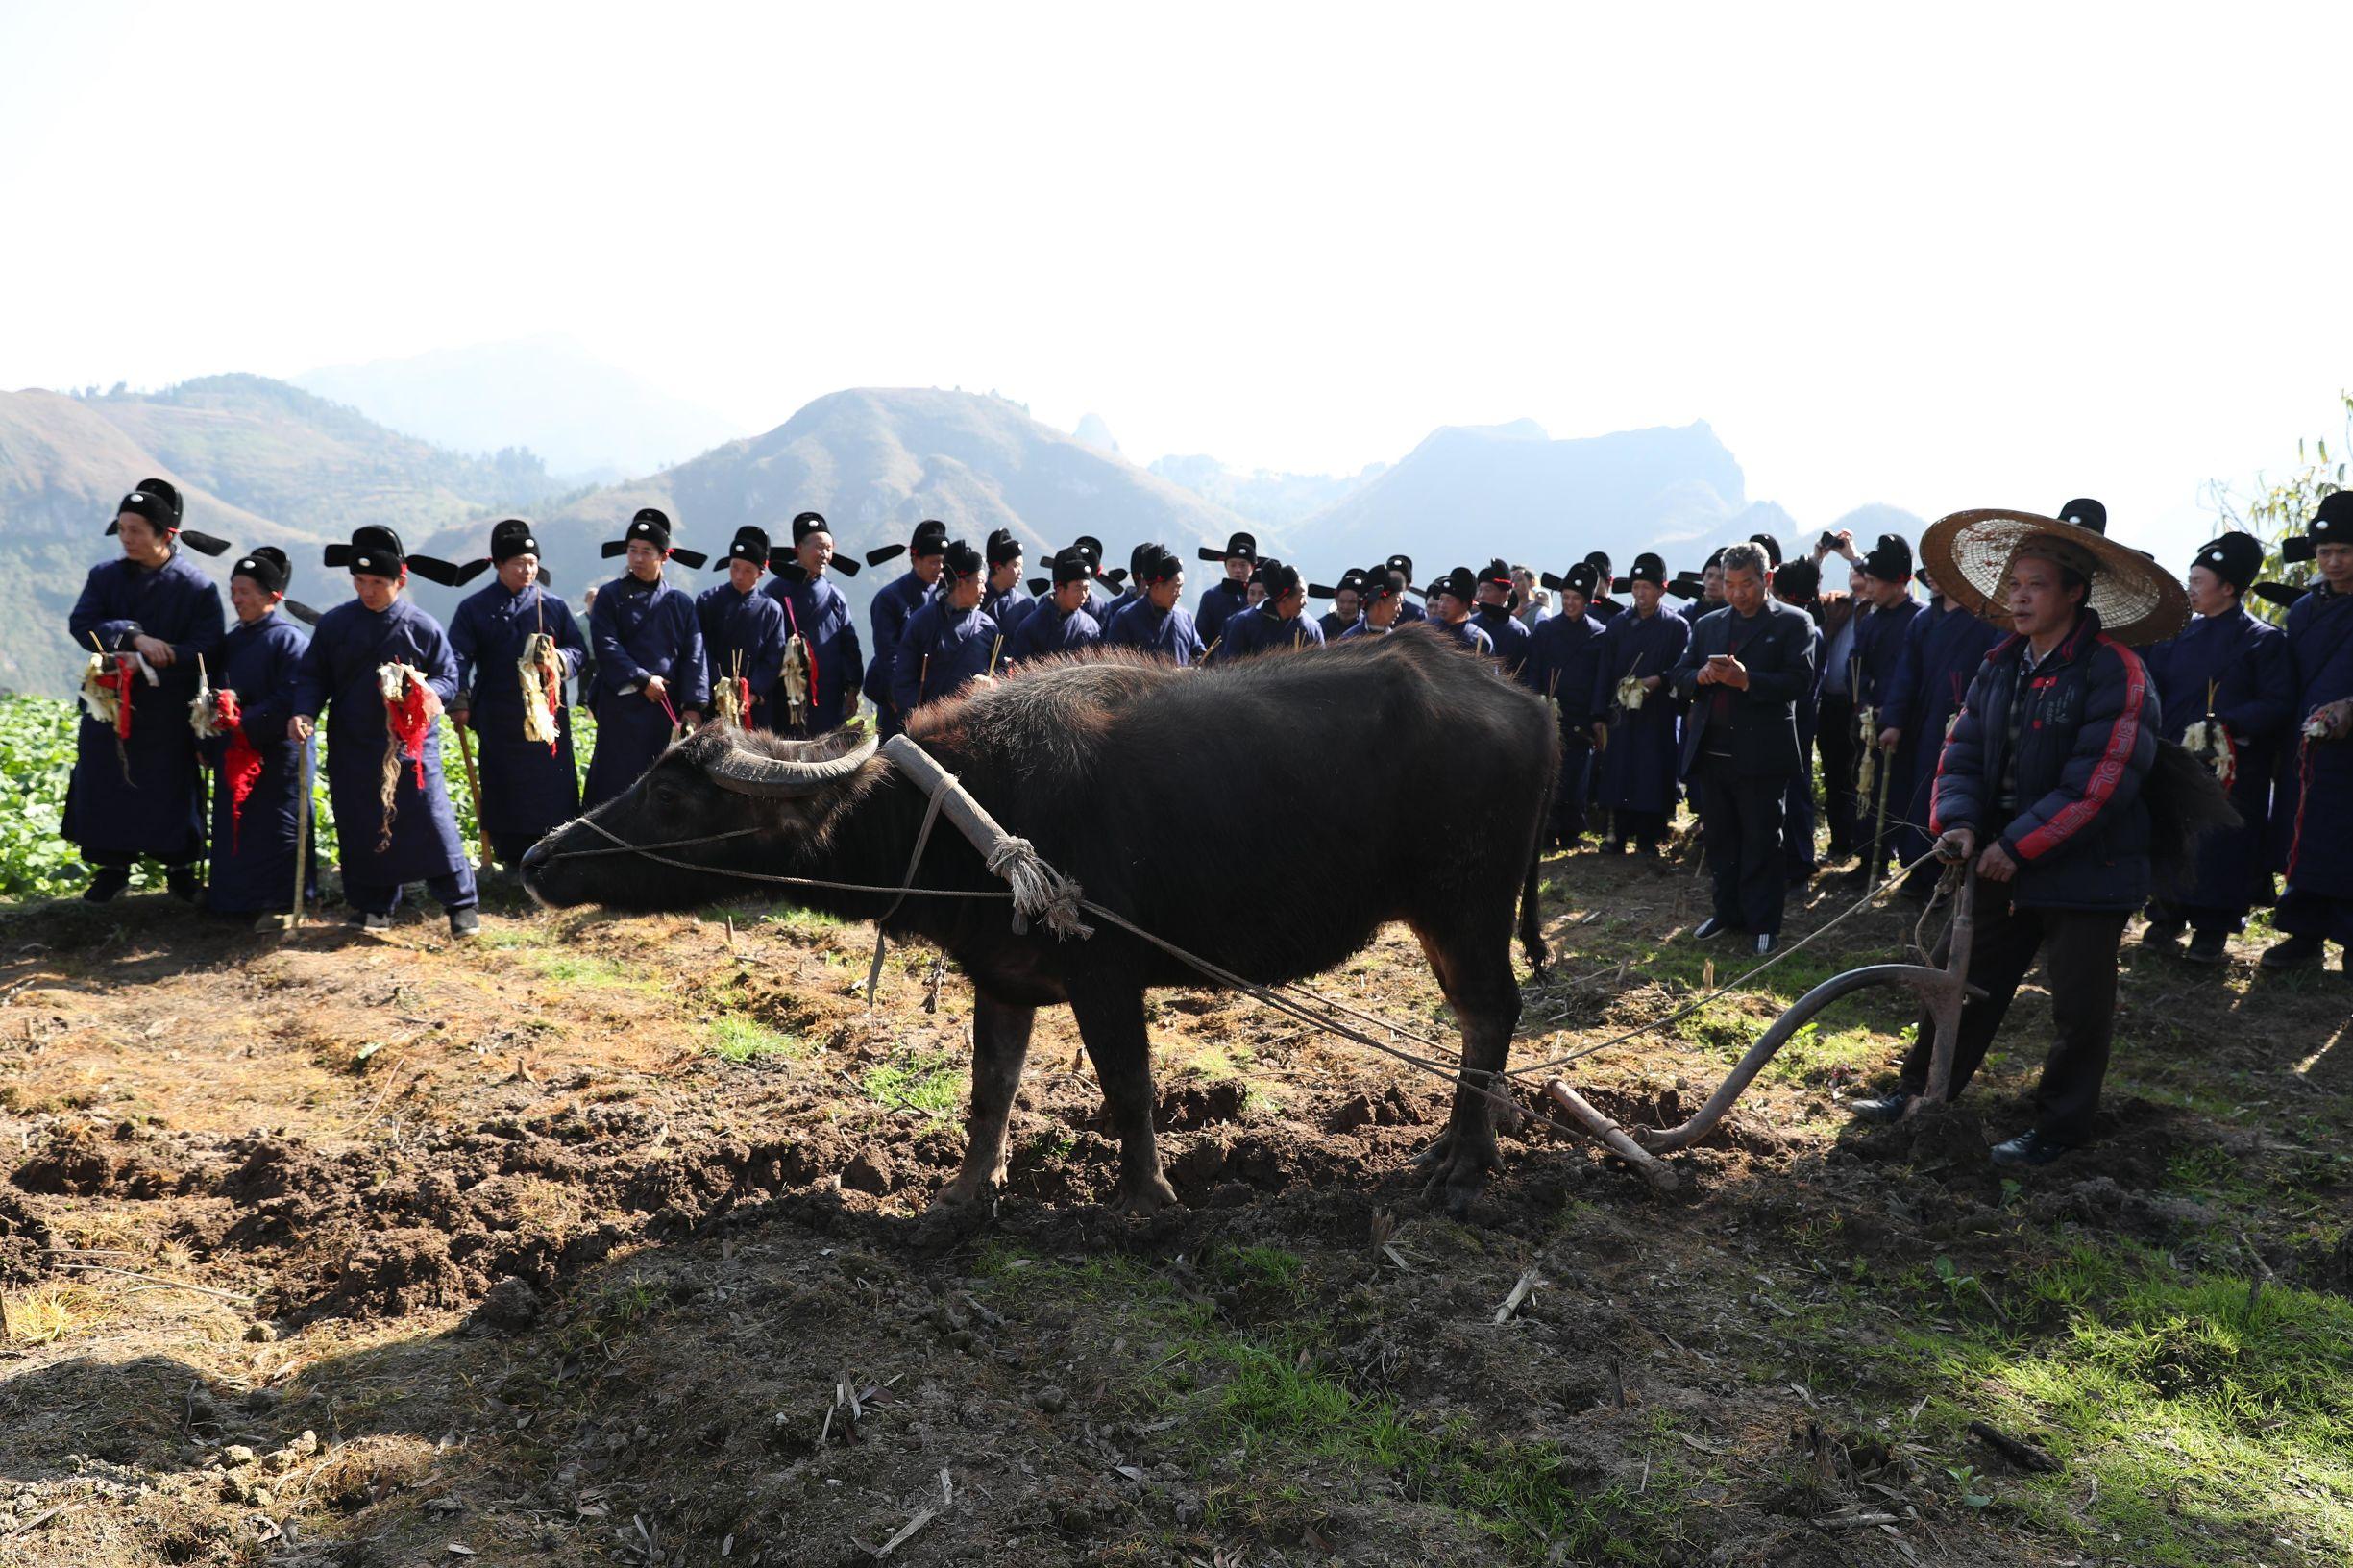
x=2097 y=794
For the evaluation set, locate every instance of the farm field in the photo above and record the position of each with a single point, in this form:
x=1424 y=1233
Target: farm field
x=602 y=1241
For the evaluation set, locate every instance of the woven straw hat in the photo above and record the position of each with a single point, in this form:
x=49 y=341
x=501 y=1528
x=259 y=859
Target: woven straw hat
x=1968 y=556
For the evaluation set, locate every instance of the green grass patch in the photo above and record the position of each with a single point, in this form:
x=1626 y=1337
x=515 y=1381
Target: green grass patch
x=570 y=968
x=734 y=1037
x=929 y=1082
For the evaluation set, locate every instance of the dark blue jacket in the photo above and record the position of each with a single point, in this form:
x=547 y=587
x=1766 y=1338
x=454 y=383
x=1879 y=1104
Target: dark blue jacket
x=1046 y=630
x=1219 y=600
x=1169 y=633
x=158 y=808
x=743 y=632
x=527 y=788
x=640 y=629
x=888 y=615
x=1777 y=646
x=938 y=654
x=1258 y=630
x=2249 y=671
x=1009 y=609
x=337 y=675
x=2316 y=806
x=1564 y=659
x=817 y=613
x=1509 y=637
x=1942 y=650
x=2078 y=829
x=253 y=849
x=1878 y=644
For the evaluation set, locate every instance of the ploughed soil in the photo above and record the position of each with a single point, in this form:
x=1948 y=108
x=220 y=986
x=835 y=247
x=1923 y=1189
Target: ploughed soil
x=602 y=1241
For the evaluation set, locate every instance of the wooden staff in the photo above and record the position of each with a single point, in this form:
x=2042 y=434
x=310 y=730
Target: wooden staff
x=474 y=791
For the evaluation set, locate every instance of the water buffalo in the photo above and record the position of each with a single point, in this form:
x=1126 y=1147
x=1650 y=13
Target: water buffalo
x=1268 y=815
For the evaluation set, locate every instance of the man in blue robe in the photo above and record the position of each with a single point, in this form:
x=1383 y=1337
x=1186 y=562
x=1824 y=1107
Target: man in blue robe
x=1564 y=663
x=139 y=790
x=1449 y=599
x=1058 y=623
x=1275 y=622
x=1492 y=615
x=1407 y=612
x=1004 y=600
x=1347 y=596
x=1639 y=745
x=1602 y=607
x=1796 y=584
x=341 y=676
x=1878 y=643
x=530 y=785
x=1385 y=598
x=2234 y=676
x=254 y=838
x=1155 y=623
x=814 y=612
x=950 y=642
x=894 y=607
x=744 y=631
x=2314 y=810
x=1229 y=594
x=1942 y=648
x=651 y=683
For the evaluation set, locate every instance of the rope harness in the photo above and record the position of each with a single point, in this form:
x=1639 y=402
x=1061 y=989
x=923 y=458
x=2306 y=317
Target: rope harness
x=1036 y=890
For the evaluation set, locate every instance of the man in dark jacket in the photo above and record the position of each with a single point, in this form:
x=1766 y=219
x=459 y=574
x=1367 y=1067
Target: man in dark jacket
x=2040 y=786
x=1744 y=670
x=1797 y=584
x=1231 y=593
x=2315 y=806
x=1565 y=659
x=1878 y=647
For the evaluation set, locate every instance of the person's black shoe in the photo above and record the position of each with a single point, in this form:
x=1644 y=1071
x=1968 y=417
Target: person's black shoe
x=465 y=922
x=1882 y=1109
x=2295 y=953
x=1857 y=880
x=1766 y=942
x=1614 y=846
x=2162 y=933
x=181 y=883
x=105 y=883
x=2208 y=947
x=2029 y=1148
x=1799 y=875
x=364 y=920
x=1710 y=928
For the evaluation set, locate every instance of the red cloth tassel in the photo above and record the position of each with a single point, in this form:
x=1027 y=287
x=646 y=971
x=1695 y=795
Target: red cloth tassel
x=409 y=725
x=241 y=767
x=124 y=677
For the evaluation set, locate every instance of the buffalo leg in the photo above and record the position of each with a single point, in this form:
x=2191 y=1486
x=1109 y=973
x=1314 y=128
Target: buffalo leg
x=1110 y=1021
x=1479 y=985
x=1000 y=1044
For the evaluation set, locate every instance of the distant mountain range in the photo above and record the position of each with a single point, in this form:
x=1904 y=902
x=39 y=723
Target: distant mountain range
x=264 y=462
x=589 y=422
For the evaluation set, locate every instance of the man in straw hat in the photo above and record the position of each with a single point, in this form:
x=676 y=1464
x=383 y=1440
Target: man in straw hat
x=521 y=726
x=2226 y=684
x=150 y=616
x=2040 y=786
x=2315 y=809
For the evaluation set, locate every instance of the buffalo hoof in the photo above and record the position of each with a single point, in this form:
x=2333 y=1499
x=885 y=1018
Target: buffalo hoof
x=1145 y=1197
x=969 y=1188
x=950 y=1221
x=1459 y=1166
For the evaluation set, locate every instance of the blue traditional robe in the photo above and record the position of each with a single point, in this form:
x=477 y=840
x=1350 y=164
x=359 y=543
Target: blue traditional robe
x=888 y=615
x=2315 y=806
x=1509 y=637
x=1564 y=661
x=940 y=652
x=1046 y=631
x=2250 y=670
x=338 y=676
x=742 y=633
x=1466 y=632
x=1638 y=767
x=148 y=798
x=1009 y=608
x=1259 y=630
x=1408 y=612
x=1942 y=650
x=640 y=629
x=253 y=849
x=527 y=788
x=1334 y=624
x=1169 y=633
x=817 y=613
x=1221 y=601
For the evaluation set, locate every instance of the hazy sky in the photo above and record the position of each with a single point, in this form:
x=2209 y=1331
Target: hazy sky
x=1935 y=256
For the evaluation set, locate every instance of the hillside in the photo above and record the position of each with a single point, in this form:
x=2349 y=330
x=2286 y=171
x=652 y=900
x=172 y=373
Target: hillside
x=1514 y=491
x=1273 y=499
x=878 y=460
x=592 y=422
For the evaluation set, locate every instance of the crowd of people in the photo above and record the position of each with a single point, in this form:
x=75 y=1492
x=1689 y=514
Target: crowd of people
x=1998 y=697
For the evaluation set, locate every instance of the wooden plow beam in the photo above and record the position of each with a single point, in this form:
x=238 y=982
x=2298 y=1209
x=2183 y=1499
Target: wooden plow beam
x=1942 y=991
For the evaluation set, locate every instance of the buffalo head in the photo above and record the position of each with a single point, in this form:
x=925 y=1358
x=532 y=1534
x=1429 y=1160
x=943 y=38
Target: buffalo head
x=775 y=800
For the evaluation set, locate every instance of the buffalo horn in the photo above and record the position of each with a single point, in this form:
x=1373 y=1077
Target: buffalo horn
x=748 y=772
